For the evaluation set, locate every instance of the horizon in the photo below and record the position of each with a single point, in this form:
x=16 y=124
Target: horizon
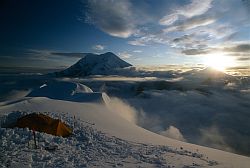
x=234 y=71
x=135 y=83
x=181 y=32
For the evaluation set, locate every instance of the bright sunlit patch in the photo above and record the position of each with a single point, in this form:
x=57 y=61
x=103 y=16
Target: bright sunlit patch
x=218 y=61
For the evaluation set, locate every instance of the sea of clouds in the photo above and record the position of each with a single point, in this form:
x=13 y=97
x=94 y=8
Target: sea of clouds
x=214 y=114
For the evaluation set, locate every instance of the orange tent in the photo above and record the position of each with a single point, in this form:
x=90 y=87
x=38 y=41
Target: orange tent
x=43 y=123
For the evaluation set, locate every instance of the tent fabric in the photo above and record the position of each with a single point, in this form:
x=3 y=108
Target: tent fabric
x=43 y=123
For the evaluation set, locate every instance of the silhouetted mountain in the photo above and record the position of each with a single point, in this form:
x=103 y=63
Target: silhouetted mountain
x=93 y=64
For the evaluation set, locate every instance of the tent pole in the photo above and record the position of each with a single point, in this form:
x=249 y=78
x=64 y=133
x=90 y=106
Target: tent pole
x=34 y=135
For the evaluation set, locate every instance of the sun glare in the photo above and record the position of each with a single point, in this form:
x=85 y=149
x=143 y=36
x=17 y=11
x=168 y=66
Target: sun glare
x=218 y=61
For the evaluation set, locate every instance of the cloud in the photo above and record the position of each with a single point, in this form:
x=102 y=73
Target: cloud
x=197 y=29
x=195 y=8
x=137 y=59
x=239 y=48
x=173 y=132
x=51 y=55
x=190 y=24
x=243 y=59
x=137 y=51
x=197 y=115
x=149 y=39
x=185 y=38
x=158 y=56
x=218 y=31
x=44 y=54
x=98 y=47
x=43 y=58
x=112 y=17
x=124 y=55
x=239 y=67
x=138 y=42
x=168 y=19
x=201 y=28
x=194 y=34
x=191 y=27
x=189 y=41
x=122 y=18
x=38 y=54
x=194 y=51
x=69 y=54
x=240 y=51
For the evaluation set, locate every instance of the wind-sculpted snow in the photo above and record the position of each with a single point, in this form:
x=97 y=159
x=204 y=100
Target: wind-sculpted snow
x=87 y=148
x=69 y=91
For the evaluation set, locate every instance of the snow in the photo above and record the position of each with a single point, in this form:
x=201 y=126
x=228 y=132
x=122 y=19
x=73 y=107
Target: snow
x=102 y=138
x=14 y=94
x=93 y=64
x=70 y=91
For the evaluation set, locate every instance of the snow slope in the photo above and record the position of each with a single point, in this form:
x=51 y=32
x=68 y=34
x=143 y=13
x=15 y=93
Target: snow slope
x=102 y=138
x=93 y=64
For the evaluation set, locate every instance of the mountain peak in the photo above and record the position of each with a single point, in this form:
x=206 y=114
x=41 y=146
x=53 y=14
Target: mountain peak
x=108 y=53
x=94 y=64
x=212 y=72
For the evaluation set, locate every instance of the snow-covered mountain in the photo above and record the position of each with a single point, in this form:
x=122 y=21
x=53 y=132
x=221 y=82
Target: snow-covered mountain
x=93 y=64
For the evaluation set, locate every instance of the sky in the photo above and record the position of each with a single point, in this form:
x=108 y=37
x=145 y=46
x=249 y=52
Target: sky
x=52 y=34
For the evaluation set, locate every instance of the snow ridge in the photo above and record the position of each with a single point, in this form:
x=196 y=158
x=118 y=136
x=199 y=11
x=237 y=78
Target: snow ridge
x=70 y=91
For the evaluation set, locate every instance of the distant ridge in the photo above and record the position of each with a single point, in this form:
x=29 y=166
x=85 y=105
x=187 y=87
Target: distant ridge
x=94 y=64
x=210 y=72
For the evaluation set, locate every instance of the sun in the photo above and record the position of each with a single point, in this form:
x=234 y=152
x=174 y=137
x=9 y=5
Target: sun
x=218 y=61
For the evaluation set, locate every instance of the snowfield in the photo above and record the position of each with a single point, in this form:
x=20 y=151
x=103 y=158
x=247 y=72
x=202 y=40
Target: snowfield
x=102 y=138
